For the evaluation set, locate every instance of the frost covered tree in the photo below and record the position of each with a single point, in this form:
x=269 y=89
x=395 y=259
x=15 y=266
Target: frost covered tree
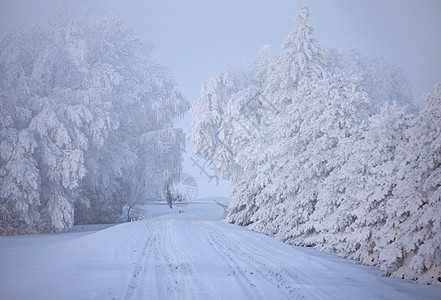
x=312 y=110
x=326 y=117
x=381 y=81
x=354 y=196
x=324 y=150
x=19 y=181
x=86 y=123
x=410 y=241
x=227 y=114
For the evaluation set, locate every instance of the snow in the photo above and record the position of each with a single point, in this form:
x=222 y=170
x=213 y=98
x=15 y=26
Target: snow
x=187 y=255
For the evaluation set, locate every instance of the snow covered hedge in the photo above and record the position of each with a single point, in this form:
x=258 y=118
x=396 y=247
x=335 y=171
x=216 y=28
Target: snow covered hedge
x=325 y=149
x=86 y=122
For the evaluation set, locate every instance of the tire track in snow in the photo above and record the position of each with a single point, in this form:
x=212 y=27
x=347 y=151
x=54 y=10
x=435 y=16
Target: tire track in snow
x=244 y=271
x=183 y=268
x=235 y=264
x=164 y=269
x=285 y=280
x=289 y=271
x=288 y=280
x=152 y=277
x=251 y=266
x=136 y=280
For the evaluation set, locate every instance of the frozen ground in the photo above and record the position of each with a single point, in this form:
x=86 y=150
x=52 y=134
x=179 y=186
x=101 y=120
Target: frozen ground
x=188 y=255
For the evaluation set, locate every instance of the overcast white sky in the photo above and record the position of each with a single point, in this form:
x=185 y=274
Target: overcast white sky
x=197 y=39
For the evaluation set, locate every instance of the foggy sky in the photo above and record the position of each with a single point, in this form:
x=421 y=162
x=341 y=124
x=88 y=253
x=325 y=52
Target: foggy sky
x=197 y=39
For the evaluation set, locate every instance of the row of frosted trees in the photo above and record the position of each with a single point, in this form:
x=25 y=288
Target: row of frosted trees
x=86 y=122
x=325 y=149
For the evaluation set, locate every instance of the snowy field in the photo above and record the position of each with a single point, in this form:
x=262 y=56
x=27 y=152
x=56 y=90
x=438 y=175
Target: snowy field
x=188 y=255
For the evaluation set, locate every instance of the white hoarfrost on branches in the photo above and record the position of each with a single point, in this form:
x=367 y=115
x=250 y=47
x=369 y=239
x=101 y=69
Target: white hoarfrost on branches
x=86 y=119
x=325 y=149
x=410 y=244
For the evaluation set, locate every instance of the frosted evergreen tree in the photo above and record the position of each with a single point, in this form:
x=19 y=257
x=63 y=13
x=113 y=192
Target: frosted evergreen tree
x=301 y=57
x=410 y=242
x=354 y=196
x=295 y=69
x=381 y=81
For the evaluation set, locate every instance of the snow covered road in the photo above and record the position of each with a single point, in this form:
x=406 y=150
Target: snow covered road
x=189 y=255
